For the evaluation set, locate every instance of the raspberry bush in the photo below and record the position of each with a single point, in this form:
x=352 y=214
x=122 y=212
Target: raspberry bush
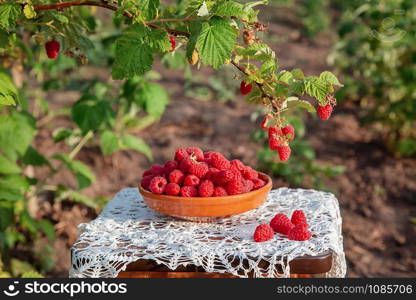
x=51 y=40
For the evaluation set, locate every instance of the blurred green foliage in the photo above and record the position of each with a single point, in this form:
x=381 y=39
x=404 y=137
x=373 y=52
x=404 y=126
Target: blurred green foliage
x=376 y=52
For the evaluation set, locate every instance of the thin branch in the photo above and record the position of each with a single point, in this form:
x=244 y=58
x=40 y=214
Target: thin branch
x=63 y=5
x=188 y=19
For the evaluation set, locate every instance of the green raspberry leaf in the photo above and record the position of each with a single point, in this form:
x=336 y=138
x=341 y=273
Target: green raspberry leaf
x=216 y=41
x=9 y=14
x=158 y=40
x=81 y=171
x=8 y=91
x=90 y=113
x=317 y=88
x=148 y=8
x=153 y=98
x=8 y=167
x=330 y=78
x=136 y=144
x=109 y=142
x=194 y=31
x=34 y=158
x=16 y=124
x=295 y=102
x=133 y=55
x=229 y=9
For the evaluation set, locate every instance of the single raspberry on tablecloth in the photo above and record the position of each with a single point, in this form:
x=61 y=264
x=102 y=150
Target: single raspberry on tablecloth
x=263 y=233
x=281 y=224
x=299 y=233
x=298 y=217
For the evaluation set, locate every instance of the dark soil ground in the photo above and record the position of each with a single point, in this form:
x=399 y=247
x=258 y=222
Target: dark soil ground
x=377 y=192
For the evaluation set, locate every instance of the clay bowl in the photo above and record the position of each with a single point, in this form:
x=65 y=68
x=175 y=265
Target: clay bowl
x=207 y=209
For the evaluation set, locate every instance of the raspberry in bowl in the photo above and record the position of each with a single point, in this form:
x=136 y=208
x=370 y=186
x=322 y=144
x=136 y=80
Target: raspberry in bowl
x=203 y=186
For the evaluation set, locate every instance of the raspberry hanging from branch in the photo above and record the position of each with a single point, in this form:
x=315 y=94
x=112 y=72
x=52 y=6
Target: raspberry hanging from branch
x=214 y=33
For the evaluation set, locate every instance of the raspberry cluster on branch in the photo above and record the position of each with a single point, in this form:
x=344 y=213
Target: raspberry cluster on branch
x=271 y=89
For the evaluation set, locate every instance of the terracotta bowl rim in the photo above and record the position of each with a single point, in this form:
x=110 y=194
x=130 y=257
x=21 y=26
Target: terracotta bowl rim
x=267 y=186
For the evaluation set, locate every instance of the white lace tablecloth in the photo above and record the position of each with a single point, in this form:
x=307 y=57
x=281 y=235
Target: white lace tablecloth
x=127 y=230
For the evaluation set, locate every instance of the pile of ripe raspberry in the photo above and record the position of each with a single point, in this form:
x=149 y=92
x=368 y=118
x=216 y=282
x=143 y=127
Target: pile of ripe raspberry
x=296 y=228
x=194 y=173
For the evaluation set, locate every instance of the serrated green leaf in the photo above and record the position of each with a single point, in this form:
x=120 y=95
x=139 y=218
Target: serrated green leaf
x=298 y=74
x=8 y=91
x=136 y=144
x=4 y=39
x=109 y=142
x=148 y=8
x=269 y=66
x=153 y=98
x=81 y=171
x=61 y=18
x=158 y=40
x=215 y=42
x=133 y=55
x=194 y=31
x=16 y=124
x=9 y=14
x=295 y=102
x=330 y=78
x=317 y=88
x=297 y=88
x=6 y=215
x=90 y=113
x=229 y=9
x=285 y=76
x=29 y=11
x=34 y=158
x=13 y=187
x=47 y=228
x=64 y=194
x=61 y=134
